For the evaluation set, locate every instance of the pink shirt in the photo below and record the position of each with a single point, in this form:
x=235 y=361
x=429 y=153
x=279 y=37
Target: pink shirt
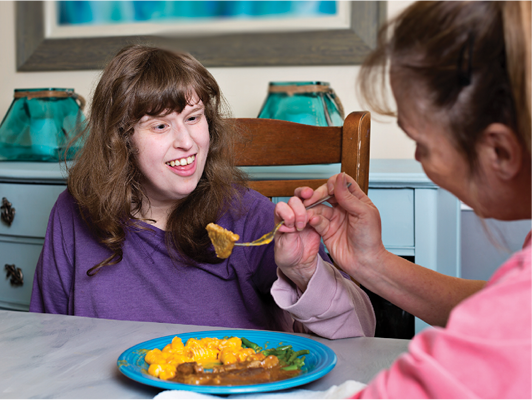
x=484 y=352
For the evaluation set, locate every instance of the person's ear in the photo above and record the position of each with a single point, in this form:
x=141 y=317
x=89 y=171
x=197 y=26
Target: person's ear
x=501 y=151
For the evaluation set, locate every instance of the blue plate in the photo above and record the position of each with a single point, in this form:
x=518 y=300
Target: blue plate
x=319 y=362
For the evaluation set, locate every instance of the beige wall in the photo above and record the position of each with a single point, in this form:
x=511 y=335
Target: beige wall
x=244 y=88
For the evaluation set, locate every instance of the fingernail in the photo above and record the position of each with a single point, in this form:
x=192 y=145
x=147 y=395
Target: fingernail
x=344 y=177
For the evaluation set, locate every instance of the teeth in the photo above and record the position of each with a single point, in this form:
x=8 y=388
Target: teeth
x=182 y=161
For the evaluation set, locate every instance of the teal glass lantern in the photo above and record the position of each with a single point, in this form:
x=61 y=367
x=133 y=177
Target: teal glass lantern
x=40 y=124
x=310 y=103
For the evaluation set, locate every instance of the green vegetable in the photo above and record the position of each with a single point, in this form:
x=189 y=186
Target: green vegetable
x=284 y=347
x=290 y=359
x=291 y=367
x=251 y=345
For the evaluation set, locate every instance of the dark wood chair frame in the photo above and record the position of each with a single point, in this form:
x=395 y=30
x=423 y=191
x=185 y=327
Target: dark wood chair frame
x=268 y=142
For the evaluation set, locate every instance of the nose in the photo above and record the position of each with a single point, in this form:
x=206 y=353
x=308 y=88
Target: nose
x=182 y=138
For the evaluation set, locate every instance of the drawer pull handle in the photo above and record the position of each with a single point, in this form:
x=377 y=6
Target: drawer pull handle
x=8 y=212
x=16 y=275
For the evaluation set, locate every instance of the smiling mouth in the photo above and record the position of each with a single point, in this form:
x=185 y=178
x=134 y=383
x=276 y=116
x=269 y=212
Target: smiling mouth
x=181 y=161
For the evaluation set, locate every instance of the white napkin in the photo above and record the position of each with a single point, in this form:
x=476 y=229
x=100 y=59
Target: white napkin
x=343 y=391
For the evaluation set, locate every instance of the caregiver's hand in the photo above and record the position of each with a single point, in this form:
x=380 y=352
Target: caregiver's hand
x=296 y=243
x=351 y=229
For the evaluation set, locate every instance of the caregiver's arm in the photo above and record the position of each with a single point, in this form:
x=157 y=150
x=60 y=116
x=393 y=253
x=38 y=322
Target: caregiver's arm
x=420 y=291
x=351 y=231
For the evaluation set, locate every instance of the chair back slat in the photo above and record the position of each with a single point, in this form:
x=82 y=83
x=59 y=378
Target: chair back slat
x=272 y=142
x=268 y=142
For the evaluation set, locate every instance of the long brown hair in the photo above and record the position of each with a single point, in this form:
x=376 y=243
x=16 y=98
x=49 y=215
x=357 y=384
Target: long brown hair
x=105 y=180
x=469 y=59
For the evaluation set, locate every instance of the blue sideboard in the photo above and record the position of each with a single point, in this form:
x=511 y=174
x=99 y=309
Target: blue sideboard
x=419 y=219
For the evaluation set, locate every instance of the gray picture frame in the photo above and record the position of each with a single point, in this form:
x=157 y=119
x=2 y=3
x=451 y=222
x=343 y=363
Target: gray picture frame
x=326 y=47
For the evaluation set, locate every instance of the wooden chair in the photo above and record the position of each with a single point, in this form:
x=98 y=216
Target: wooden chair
x=268 y=142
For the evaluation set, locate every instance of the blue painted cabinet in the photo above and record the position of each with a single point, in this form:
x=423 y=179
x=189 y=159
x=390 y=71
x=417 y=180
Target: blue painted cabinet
x=31 y=189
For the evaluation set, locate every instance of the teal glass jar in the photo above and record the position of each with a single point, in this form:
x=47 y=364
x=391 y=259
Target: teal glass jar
x=310 y=103
x=40 y=124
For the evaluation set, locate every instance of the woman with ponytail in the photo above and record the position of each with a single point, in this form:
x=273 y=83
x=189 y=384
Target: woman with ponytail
x=460 y=76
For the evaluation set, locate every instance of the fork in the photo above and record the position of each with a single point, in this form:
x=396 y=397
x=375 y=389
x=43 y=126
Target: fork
x=267 y=238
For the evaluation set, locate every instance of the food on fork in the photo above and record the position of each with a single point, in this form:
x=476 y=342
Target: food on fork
x=222 y=240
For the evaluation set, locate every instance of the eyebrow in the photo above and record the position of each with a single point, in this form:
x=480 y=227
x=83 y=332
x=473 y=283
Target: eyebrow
x=196 y=106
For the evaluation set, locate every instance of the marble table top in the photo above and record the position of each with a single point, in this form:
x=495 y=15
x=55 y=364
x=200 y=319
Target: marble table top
x=58 y=356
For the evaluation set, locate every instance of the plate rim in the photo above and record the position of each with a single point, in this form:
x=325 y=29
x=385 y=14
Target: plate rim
x=330 y=363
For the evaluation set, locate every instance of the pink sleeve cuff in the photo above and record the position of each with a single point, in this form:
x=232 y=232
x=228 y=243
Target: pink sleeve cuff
x=332 y=306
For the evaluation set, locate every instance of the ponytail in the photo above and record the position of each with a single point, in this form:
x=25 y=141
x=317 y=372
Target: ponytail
x=517 y=17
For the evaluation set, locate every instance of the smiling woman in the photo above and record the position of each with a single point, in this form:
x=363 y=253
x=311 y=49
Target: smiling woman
x=128 y=239
x=171 y=151
x=170 y=108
